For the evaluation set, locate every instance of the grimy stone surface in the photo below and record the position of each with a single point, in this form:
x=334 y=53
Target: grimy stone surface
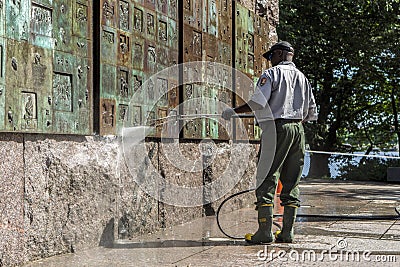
x=12 y=230
x=70 y=192
x=67 y=194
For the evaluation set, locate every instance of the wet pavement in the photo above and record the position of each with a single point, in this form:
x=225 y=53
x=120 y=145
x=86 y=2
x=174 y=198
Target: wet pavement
x=357 y=225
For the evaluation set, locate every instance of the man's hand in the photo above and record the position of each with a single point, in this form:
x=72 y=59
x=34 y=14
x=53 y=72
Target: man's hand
x=228 y=113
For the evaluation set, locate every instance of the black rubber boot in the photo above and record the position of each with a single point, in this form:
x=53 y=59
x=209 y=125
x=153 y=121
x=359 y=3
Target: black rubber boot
x=264 y=233
x=286 y=235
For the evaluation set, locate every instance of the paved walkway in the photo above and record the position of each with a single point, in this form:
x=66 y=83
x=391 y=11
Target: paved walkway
x=333 y=240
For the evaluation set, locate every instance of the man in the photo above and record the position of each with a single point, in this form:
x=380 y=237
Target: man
x=284 y=100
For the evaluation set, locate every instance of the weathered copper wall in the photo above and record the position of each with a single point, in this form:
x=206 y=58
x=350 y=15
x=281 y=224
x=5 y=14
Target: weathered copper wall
x=46 y=62
x=216 y=31
x=45 y=66
x=138 y=39
x=207 y=28
x=251 y=35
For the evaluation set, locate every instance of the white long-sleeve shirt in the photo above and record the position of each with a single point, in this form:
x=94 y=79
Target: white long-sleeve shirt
x=285 y=93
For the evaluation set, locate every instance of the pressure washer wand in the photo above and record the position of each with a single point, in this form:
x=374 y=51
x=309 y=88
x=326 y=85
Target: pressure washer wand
x=216 y=115
x=196 y=116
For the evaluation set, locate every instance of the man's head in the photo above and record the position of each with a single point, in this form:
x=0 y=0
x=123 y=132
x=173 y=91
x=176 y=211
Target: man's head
x=281 y=51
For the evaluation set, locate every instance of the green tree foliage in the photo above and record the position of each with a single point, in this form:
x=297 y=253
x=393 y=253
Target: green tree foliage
x=372 y=169
x=349 y=49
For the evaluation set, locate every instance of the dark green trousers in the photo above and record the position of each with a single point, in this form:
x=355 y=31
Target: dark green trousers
x=285 y=162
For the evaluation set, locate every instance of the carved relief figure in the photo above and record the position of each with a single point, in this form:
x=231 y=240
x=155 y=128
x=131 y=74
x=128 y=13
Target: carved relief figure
x=124 y=44
x=162 y=31
x=213 y=12
x=62 y=89
x=124 y=89
x=137 y=83
x=188 y=5
x=124 y=15
x=24 y=32
x=172 y=8
x=162 y=5
x=251 y=42
x=250 y=61
x=108 y=10
x=150 y=24
x=123 y=112
x=151 y=57
x=62 y=35
x=29 y=109
x=197 y=44
x=81 y=13
x=36 y=58
x=10 y=117
x=224 y=5
x=189 y=90
x=108 y=114
x=173 y=94
x=41 y=22
x=138 y=20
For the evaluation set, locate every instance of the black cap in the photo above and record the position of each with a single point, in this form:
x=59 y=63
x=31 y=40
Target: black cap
x=281 y=45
